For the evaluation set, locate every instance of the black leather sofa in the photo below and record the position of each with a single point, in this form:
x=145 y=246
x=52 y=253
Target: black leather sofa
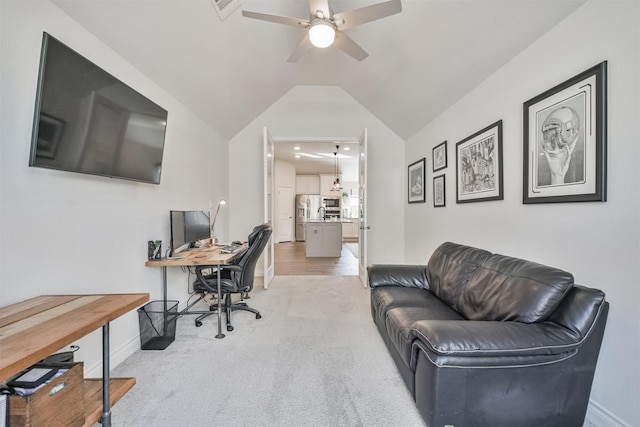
x=482 y=339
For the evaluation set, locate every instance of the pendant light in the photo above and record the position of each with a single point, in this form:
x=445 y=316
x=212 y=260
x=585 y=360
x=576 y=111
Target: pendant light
x=336 y=182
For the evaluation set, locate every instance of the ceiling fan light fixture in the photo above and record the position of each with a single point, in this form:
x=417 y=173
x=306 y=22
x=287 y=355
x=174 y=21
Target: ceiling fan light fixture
x=321 y=33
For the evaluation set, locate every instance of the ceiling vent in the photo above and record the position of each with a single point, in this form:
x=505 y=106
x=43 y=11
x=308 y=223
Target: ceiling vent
x=225 y=7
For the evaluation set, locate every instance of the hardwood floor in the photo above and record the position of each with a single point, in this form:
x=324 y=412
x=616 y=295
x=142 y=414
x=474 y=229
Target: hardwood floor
x=290 y=260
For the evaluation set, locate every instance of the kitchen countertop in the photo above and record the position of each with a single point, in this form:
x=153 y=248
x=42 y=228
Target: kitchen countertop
x=330 y=221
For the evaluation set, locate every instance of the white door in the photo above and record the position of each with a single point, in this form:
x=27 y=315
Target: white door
x=285 y=214
x=362 y=208
x=268 y=256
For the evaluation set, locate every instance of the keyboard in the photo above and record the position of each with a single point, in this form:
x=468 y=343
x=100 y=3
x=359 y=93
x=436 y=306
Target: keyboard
x=230 y=249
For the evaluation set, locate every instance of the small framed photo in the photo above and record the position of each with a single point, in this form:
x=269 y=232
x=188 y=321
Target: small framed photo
x=479 y=165
x=565 y=141
x=440 y=156
x=416 y=181
x=439 y=194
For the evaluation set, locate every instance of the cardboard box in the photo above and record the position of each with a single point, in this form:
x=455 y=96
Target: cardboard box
x=58 y=403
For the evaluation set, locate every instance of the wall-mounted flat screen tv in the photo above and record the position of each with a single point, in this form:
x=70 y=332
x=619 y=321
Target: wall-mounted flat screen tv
x=88 y=121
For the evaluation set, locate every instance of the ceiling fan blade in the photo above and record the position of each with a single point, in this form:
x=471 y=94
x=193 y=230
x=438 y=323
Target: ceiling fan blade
x=346 y=43
x=304 y=47
x=296 y=22
x=366 y=14
x=319 y=5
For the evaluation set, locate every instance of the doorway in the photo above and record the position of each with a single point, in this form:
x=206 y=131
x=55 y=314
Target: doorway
x=289 y=256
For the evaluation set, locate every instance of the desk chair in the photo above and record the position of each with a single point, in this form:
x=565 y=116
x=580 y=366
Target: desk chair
x=235 y=278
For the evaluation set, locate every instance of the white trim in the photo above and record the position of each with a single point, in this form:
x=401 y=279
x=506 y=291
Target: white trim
x=600 y=417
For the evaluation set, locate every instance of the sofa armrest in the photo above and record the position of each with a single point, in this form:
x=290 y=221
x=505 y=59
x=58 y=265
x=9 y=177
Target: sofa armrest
x=469 y=338
x=408 y=276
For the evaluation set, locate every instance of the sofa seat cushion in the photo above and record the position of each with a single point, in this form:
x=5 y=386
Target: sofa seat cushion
x=387 y=297
x=400 y=321
x=511 y=289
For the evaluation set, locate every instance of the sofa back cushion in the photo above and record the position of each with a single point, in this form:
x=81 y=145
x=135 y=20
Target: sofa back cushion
x=450 y=267
x=506 y=288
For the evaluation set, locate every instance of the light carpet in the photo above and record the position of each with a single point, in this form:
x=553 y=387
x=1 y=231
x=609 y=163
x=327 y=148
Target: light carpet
x=314 y=359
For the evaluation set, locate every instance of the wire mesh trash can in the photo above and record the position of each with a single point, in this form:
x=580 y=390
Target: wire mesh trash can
x=158 y=324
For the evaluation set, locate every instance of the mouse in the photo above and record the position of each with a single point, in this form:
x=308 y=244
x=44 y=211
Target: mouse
x=237 y=242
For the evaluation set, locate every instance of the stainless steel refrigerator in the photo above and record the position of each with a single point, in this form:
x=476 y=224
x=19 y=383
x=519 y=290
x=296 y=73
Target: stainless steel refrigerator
x=307 y=208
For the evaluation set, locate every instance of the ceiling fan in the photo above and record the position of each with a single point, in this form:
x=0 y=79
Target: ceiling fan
x=327 y=28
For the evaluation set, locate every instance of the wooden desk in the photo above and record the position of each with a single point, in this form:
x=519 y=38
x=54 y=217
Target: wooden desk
x=33 y=329
x=205 y=256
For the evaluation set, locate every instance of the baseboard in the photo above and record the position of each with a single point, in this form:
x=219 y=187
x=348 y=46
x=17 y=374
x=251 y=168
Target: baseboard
x=116 y=357
x=599 y=417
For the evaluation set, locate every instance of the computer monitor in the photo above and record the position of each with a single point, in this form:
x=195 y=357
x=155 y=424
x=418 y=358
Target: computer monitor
x=188 y=227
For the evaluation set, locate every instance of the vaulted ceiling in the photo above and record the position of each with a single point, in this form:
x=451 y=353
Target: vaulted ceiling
x=228 y=71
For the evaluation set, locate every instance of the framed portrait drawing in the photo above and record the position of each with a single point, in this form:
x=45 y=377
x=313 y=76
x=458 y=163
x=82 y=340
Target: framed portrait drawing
x=439 y=194
x=440 y=156
x=479 y=165
x=416 y=181
x=565 y=133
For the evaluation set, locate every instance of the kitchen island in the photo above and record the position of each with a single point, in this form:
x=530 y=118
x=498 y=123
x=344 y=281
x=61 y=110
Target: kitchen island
x=324 y=238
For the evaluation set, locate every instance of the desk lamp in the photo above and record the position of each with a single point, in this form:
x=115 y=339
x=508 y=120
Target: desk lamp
x=214 y=239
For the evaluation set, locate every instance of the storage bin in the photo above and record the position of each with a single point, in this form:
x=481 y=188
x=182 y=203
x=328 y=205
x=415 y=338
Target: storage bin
x=157 y=324
x=58 y=403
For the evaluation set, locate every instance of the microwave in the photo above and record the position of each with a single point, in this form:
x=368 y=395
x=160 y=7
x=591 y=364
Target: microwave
x=331 y=202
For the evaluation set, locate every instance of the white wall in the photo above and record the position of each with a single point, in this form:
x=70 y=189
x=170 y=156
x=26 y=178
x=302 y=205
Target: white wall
x=597 y=242
x=318 y=112
x=71 y=233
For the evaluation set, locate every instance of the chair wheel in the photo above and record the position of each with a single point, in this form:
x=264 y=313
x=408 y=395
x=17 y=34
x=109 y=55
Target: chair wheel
x=198 y=323
x=229 y=328
x=258 y=316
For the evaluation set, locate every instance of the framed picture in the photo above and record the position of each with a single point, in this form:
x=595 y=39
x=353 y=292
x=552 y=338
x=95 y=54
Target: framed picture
x=479 y=165
x=440 y=156
x=565 y=138
x=49 y=131
x=416 y=181
x=439 y=195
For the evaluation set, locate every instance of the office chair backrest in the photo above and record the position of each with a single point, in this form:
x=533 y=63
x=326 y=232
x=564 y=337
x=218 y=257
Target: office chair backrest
x=257 y=241
x=255 y=231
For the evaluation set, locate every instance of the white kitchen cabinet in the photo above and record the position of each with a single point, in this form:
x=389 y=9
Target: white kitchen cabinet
x=307 y=184
x=326 y=183
x=351 y=230
x=323 y=239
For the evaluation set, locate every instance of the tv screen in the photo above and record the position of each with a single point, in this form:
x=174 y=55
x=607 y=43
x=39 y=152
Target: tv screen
x=88 y=121
x=188 y=227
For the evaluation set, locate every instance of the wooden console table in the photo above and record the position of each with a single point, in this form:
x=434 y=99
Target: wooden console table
x=34 y=329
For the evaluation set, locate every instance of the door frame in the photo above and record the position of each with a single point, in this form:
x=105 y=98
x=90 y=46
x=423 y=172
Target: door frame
x=302 y=140
x=268 y=173
x=362 y=205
